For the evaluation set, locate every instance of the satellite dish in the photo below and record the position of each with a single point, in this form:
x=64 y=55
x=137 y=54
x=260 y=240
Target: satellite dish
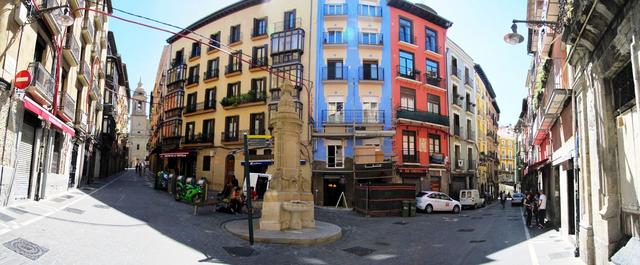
x=513 y=37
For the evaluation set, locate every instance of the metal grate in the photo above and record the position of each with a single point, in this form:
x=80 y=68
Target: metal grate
x=477 y=241
x=74 y=210
x=359 y=251
x=26 y=248
x=239 y=251
x=101 y=206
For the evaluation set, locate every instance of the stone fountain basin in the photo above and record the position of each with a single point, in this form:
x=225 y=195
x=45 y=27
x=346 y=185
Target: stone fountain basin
x=297 y=206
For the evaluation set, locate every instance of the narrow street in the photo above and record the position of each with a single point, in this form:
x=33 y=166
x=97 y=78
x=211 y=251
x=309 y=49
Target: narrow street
x=125 y=221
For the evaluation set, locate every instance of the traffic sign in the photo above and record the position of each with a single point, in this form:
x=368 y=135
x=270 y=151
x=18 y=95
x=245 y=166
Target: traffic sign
x=23 y=79
x=259 y=140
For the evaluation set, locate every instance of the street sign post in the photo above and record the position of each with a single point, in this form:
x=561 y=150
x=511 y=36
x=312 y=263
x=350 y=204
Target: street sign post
x=248 y=185
x=22 y=80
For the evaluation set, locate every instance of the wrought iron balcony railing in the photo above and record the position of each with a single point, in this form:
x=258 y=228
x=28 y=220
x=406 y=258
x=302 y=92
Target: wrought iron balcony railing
x=422 y=116
x=408 y=72
x=335 y=73
x=371 y=73
x=353 y=116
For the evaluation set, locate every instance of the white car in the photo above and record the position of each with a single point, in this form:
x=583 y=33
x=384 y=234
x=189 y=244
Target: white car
x=430 y=201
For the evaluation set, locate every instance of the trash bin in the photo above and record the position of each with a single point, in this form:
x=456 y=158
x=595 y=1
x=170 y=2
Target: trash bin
x=412 y=208
x=405 y=208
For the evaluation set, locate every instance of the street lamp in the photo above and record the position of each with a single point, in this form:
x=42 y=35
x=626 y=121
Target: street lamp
x=63 y=18
x=514 y=37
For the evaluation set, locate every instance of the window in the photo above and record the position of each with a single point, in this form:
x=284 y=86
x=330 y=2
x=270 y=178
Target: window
x=406 y=30
x=231 y=128
x=207 y=131
x=213 y=68
x=406 y=68
x=55 y=157
x=235 y=65
x=191 y=102
x=335 y=156
x=370 y=112
x=259 y=56
x=433 y=103
x=431 y=41
x=623 y=90
x=138 y=147
x=432 y=69
x=370 y=10
x=370 y=38
x=467 y=77
x=287 y=41
x=454 y=67
x=335 y=70
x=190 y=132
x=257 y=123
x=214 y=41
x=407 y=99
x=210 y=98
x=335 y=9
x=370 y=71
x=409 y=154
x=206 y=163
x=179 y=59
x=195 y=49
x=290 y=20
x=194 y=75
x=335 y=111
x=259 y=27
x=434 y=144
x=171 y=128
x=258 y=86
x=333 y=37
x=233 y=89
x=234 y=34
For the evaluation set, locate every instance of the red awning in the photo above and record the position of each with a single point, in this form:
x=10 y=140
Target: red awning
x=535 y=165
x=46 y=115
x=177 y=153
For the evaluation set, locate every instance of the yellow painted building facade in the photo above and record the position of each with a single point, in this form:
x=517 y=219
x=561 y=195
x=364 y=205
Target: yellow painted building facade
x=225 y=97
x=506 y=153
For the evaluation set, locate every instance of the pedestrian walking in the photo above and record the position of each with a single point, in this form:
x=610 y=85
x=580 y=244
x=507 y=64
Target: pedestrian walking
x=503 y=199
x=542 y=209
x=528 y=206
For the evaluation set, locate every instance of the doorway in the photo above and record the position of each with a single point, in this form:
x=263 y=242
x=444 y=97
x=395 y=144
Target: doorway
x=333 y=187
x=229 y=168
x=571 y=199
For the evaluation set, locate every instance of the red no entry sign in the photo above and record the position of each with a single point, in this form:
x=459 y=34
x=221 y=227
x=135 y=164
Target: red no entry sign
x=23 y=79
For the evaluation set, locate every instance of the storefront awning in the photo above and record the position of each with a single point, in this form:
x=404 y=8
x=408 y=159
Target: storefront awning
x=535 y=165
x=46 y=115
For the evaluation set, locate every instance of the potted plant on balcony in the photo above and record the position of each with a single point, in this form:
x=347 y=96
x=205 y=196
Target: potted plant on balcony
x=229 y=101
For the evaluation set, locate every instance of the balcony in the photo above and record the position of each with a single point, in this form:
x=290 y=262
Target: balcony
x=177 y=74
x=471 y=134
x=365 y=38
x=71 y=50
x=233 y=137
x=456 y=72
x=212 y=74
x=235 y=38
x=52 y=15
x=472 y=164
x=432 y=78
x=468 y=81
x=193 y=79
x=99 y=20
x=552 y=110
x=334 y=39
x=200 y=107
x=409 y=73
x=88 y=31
x=68 y=107
x=353 y=117
x=234 y=68
x=84 y=73
x=335 y=9
x=457 y=100
x=411 y=158
x=369 y=73
x=109 y=110
x=436 y=158
x=287 y=25
x=470 y=107
x=422 y=116
x=258 y=63
x=195 y=53
x=257 y=33
x=198 y=139
x=42 y=85
x=369 y=11
x=457 y=131
x=251 y=97
x=335 y=73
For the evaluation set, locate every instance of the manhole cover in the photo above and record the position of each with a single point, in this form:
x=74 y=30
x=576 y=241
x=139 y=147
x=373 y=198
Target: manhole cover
x=400 y=223
x=6 y=218
x=477 y=241
x=59 y=199
x=101 y=206
x=67 y=196
x=382 y=243
x=359 y=251
x=16 y=210
x=239 y=251
x=74 y=210
x=26 y=248
x=466 y=230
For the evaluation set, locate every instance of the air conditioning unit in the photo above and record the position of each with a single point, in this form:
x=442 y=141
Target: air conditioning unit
x=460 y=162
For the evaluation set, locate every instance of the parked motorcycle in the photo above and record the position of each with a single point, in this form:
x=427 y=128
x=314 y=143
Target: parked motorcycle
x=188 y=191
x=162 y=181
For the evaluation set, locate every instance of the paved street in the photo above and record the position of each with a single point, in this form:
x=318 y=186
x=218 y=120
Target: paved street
x=124 y=221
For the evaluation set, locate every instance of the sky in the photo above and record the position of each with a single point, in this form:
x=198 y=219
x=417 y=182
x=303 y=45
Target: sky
x=478 y=27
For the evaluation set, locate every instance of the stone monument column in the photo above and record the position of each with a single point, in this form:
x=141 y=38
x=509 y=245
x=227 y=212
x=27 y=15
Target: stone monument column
x=287 y=204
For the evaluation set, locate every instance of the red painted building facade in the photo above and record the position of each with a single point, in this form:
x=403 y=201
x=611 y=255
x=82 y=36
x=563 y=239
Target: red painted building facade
x=419 y=95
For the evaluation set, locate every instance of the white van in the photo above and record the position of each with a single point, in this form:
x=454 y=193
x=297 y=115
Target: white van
x=471 y=198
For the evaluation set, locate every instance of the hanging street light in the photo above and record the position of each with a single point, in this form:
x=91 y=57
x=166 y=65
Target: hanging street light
x=514 y=37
